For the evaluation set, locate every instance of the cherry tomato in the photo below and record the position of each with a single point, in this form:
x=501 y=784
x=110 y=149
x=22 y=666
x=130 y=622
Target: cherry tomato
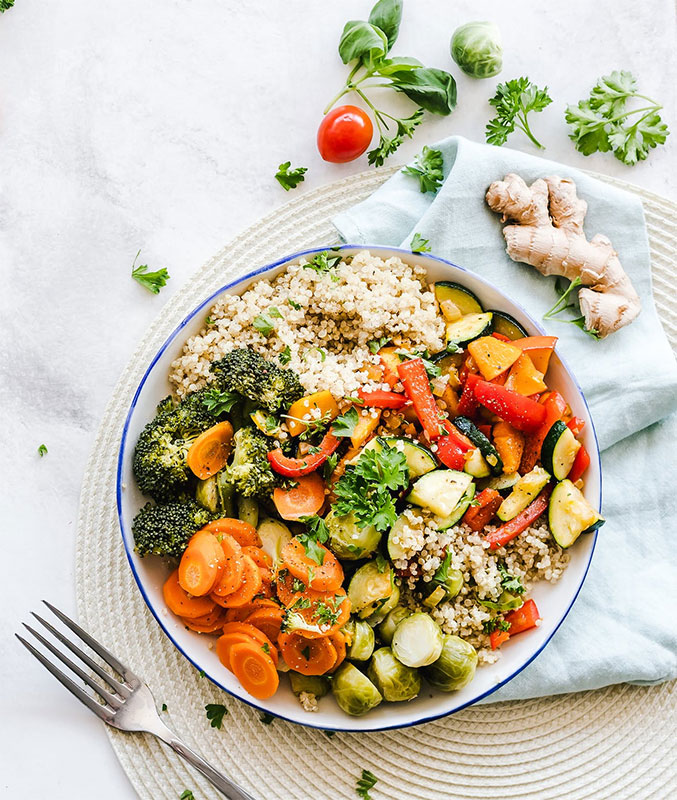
x=344 y=134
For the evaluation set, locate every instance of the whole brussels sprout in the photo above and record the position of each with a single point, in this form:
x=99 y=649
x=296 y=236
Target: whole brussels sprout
x=347 y=540
x=477 y=49
x=417 y=640
x=314 y=684
x=455 y=667
x=353 y=691
x=393 y=618
x=393 y=679
x=362 y=644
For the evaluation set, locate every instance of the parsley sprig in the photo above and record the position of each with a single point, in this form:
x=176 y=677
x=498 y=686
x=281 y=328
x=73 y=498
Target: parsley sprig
x=153 y=281
x=5 y=5
x=510 y=583
x=264 y=323
x=419 y=244
x=219 y=402
x=316 y=534
x=344 y=425
x=323 y=263
x=513 y=101
x=215 y=714
x=365 y=489
x=42 y=450
x=365 y=783
x=427 y=167
x=290 y=178
x=604 y=122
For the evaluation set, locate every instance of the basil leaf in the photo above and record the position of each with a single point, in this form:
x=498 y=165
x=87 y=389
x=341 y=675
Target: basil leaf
x=387 y=15
x=403 y=64
x=361 y=40
x=433 y=89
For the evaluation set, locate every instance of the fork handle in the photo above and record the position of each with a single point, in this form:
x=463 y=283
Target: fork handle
x=223 y=784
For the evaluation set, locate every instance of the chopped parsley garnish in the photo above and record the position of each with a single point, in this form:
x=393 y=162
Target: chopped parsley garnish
x=153 y=281
x=510 y=583
x=330 y=466
x=316 y=534
x=290 y=178
x=365 y=783
x=376 y=344
x=266 y=719
x=264 y=322
x=219 y=402
x=202 y=673
x=296 y=306
x=164 y=706
x=495 y=624
x=365 y=488
x=419 y=244
x=345 y=424
x=42 y=450
x=215 y=714
x=306 y=652
x=285 y=356
x=209 y=321
x=428 y=169
x=265 y=647
x=298 y=586
x=324 y=263
x=442 y=573
x=186 y=794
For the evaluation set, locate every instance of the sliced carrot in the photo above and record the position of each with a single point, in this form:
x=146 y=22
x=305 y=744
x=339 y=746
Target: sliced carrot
x=324 y=577
x=287 y=585
x=210 y=451
x=232 y=574
x=243 y=533
x=265 y=564
x=339 y=642
x=236 y=632
x=201 y=564
x=305 y=498
x=255 y=670
x=307 y=656
x=209 y=623
x=268 y=620
x=183 y=604
x=250 y=586
x=242 y=612
x=326 y=611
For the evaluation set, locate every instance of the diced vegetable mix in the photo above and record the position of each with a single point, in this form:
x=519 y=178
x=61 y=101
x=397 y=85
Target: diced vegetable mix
x=285 y=511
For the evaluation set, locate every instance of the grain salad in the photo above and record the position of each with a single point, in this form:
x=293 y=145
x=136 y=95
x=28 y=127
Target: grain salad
x=360 y=478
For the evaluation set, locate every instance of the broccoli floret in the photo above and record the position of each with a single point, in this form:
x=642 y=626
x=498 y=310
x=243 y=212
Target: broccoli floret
x=246 y=372
x=250 y=472
x=164 y=530
x=159 y=462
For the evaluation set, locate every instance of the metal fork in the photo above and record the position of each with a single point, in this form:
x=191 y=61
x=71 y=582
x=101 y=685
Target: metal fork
x=128 y=704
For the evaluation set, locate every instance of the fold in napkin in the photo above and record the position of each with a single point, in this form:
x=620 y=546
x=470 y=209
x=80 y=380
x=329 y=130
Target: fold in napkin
x=623 y=627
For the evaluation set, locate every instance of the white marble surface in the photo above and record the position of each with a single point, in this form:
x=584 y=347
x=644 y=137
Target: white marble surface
x=159 y=125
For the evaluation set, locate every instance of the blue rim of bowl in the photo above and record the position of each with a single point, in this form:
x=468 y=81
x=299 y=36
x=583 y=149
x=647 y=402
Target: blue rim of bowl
x=170 y=339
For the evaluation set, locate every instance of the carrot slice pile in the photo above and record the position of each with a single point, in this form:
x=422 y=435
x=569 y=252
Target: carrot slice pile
x=242 y=612
x=339 y=642
x=238 y=632
x=307 y=656
x=210 y=451
x=209 y=623
x=243 y=533
x=183 y=604
x=233 y=570
x=201 y=564
x=324 y=577
x=249 y=587
x=268 y=620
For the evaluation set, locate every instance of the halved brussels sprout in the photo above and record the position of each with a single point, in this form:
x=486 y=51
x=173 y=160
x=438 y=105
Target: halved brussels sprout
x=417 y=640
x=207 y=493
x=393 y=618
x=314 y=684
x=248 y=510
x=370 y=586
x=507 y=601
x=453 y=583
x=393 y=679
x=274 y=536
x=455 y=667
x=362 y=640
x=387 y=605
x=477 y=49
x=353 y=691
x=347 y=540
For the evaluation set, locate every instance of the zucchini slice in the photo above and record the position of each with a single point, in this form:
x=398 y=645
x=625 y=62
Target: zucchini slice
x=462 y=298
x=570 y=514
x=475 y=464
x=459 y=510
x=419 y=459
x=503 y=483
x=469 y=327
x=507 y=325
x=558 y=450
x=472 y=432
x=526 y=489
x=440 y=490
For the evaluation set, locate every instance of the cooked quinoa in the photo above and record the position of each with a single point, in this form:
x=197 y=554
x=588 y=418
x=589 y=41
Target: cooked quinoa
x=363 y=298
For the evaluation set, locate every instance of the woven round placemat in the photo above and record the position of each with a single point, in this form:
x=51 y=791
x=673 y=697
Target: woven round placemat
x=617 y=742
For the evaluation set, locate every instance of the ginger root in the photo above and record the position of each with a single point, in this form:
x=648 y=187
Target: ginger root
x=546 y=231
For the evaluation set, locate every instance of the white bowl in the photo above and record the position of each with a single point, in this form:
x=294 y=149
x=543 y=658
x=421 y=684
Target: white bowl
x=554 y=601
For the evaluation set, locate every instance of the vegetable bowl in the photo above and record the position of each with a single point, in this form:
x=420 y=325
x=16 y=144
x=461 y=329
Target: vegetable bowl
x=410 y=618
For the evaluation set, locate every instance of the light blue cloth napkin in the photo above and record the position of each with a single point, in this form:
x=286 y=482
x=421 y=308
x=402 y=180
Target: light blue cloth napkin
x=623 y=627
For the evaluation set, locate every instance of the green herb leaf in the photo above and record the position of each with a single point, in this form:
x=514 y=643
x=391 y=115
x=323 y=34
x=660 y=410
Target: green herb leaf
x=290 y=178
x=322 y=353
x=494 y=624
x=510 y=583
x=316 y=533
x=285 y=355
x=427 y=168
x=376 y=344
x=362 y=40
x=365 y=783
x=513 y=101
x=296 y=306
x=264 y=322
x=164 y=706
x=330 y=465
x=186 y=794
x=215 y=714
x=5 y=5
x=209 y=321
x=387 y=15
x=202 y=673
x=432 y=89
x=419 y=244
x=324 y=262
x=42 y=450
x=153 y=281
x=345 y=424
x=266 y=719
x=432 y=370
x=218 y=402
x=442 y=573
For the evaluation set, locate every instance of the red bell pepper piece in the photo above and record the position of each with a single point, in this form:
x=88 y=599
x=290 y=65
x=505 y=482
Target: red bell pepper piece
x=576 y=425
x=520 y=411
x=509 y=530
x=555 y=405
x=485 y=429
x=523 y=618
x=501 y=337
x=297 y=467
x=382 y=399
x=417 y=386
x=467 y=404
x=450 y=452
x=478 y=516
x=496 y=638
x=581 y=463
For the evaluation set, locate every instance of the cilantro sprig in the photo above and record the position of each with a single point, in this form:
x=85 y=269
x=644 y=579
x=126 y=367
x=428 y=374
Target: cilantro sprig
x=153 y=281
x=513 y=101
x=604 y=123
x=5 y=5
x=427 y=167
x=289 y=178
